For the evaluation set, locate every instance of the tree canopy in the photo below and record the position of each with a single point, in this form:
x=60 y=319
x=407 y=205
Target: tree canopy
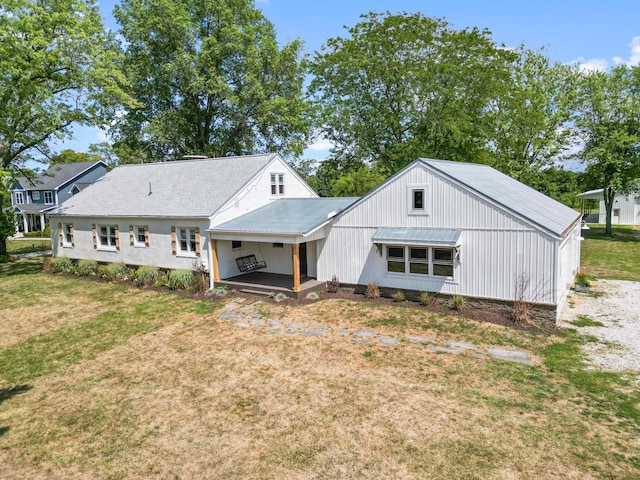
x=210 y=79
x=58 y=67
x=608 y=119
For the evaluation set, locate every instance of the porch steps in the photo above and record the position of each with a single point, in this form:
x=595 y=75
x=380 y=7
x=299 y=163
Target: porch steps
x=256 y=292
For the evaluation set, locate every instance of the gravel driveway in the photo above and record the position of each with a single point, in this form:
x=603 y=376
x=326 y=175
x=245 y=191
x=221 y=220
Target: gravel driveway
x=616 y=303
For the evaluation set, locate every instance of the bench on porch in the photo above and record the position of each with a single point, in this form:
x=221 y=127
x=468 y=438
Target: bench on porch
x=249 y=263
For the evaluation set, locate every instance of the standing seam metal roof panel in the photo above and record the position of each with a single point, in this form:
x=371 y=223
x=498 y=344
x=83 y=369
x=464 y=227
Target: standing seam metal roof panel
x=510 y=193
x=417 y=236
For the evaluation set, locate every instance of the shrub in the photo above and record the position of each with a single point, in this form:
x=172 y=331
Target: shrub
x=147 y=275
x=116 y=271
x=583 y=279
x=458 y=302
x=333 y=285
x=61 y=264
x=398 y=296
x=181 y=279
x=425 y=298
x=87 y=268
x=199 y=283
x=373 y=290
x=46 y=233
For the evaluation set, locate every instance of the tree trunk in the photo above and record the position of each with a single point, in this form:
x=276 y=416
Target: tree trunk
x=609 y=196
x=4 y=230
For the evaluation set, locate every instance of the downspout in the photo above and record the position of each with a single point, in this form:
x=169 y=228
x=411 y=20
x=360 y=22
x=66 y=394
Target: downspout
x=210 y=258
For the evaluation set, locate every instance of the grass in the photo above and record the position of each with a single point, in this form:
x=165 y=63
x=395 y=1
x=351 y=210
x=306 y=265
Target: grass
x=584 y=321
x=102 y=380
x=616 y=257
x=27 y=245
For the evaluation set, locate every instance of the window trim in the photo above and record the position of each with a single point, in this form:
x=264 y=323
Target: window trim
x=112 y=233
x=193 y=248
x=50 y=193
x=277 y=184
x=135 y=231
x=67 y=235
x=411 y=193
x=21 y=201
x=429 y=260
x=35 y=194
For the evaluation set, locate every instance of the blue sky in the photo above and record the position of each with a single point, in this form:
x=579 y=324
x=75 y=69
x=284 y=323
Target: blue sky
x=592 y=33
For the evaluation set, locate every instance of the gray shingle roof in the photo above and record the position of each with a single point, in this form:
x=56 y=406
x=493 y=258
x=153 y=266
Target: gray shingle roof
x=544 y=211
x=55 y=176
x=193 y=188
x=287 y=216
x=417 y=236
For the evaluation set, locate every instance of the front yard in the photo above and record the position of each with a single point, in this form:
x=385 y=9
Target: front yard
x=102 y=380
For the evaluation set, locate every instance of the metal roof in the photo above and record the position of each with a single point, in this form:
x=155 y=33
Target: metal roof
x=190 y=188
x=56 y=175
x=511 y=194
x=417 y=236
x=592 y=194
x=287 y=216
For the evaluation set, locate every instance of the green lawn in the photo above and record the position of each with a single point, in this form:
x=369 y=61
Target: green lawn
x=27 y=245
x=616 y=257
x=102 y=380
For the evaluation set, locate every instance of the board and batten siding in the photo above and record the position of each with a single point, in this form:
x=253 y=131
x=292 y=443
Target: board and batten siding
x=569 y=263
x=158 y=253
x=629 y=206
x=497 y=247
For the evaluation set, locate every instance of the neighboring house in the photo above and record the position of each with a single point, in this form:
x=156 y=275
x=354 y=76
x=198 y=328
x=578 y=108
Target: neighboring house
x=446 y=227
x=625 y=211
x=33 y=198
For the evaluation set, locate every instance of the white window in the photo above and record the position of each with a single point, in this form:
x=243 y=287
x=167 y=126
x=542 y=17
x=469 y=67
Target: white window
x=108 y=236
x=277 y=184
x=35 y=195
x=141 y=236
x=187 y=240
x=19 y=197
x=67 y=234
x=429 y=261
x=417 y=200
x=48 y=197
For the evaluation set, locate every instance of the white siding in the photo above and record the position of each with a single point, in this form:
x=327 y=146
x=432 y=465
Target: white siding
x=496 y=246
x=629 y=206
x=258 y=192
x=158 y=253
x=568 y=265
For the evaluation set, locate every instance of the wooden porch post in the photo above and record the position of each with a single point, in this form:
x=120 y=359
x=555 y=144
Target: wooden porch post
x=214 y=260
x=296 y=267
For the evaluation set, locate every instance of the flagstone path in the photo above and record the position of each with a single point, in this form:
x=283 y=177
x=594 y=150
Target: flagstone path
x=244 y=315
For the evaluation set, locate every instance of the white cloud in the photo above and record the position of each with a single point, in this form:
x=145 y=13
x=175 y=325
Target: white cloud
x=102 y=135
x=591 y=65
x=320 y=145
x=634 y=55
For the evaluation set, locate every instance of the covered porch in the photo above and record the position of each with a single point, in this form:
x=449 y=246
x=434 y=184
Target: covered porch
x=265 y=283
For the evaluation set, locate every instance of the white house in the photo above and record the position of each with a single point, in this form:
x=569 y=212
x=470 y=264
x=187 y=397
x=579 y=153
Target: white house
x=456 y=228
x=625 y=211
x=446 y=227
x=159 y=213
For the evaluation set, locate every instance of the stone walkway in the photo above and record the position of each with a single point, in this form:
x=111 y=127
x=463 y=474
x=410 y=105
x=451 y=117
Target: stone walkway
x=243 y=315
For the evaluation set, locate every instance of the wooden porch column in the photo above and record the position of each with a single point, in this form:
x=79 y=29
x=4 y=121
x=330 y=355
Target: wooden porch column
x=296 y=267
x=214 y=260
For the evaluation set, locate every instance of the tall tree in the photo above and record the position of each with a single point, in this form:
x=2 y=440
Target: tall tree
x=58 y=67
x=7 y=223
x=531 y=116
x=71 y=156
x=211 y=79
x=608 y=119
x=403 y=86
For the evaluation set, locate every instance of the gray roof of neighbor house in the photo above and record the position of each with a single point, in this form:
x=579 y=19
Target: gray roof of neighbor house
x=511 y=194
x=287 y=216
x=188 y=188
x=56 y=175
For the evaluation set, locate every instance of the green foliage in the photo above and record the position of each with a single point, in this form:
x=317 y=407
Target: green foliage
x=583 y=321
x=372 y=291
x=458 y=302
x=62 y=265
x=71 y=156
x=58 y=66
x=608 y=119
x=147 y=275
x=425 y=298
x=210 y=79
x=357 y=182
x=583 y=279
x=87 y=268
x=46 y=233
x=181 y=279
x=404 y=86
x=398 y=296
x=116 y=271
